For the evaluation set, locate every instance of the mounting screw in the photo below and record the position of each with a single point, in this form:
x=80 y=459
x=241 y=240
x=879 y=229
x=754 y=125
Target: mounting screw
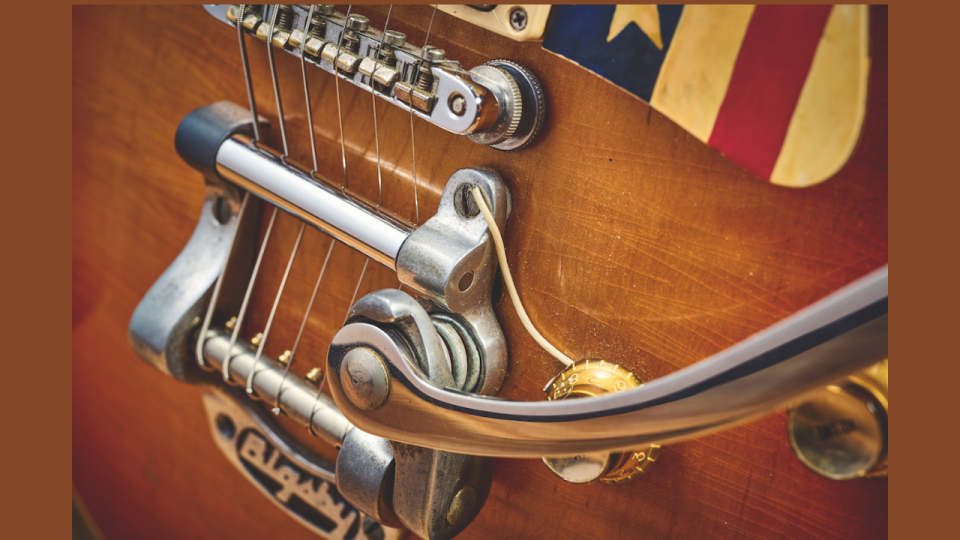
x=284 y=358
x=231 y=323
x=518 y=19
x=364 y=378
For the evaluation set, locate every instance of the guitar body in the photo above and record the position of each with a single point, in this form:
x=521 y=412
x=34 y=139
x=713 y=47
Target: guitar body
x=629 y=241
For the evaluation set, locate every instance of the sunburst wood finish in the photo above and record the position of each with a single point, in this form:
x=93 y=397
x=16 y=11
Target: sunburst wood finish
x=629 y=241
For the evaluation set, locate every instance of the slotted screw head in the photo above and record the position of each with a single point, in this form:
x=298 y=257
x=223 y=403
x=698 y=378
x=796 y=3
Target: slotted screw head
x=358 y=23
x=324 y=9
x=394 y=38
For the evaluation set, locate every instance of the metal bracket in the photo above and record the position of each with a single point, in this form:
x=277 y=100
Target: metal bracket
x=451 y=259
x=436 y=494
x=162 y=326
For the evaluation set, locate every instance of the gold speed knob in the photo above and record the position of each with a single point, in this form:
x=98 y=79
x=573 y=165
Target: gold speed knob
x=841 y=431
x=590 y=378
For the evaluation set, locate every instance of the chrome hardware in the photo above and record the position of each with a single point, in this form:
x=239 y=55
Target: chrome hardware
x=282 y=28
x=162 y=326
x=422 y=95
x=382 y=66
x=364 y=378
x=433 y=259
x=349 y=220
x=447 y=259
x=317 y=32
x=840 y=431
x=833 y=337
x=396 y=485
x=523 y=109
x=389 y=324
x=301 y=400
x=456 y=100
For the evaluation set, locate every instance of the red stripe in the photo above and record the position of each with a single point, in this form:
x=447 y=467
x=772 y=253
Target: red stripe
x=774 y=60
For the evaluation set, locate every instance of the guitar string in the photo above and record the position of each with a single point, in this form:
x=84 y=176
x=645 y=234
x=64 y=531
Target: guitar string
x=208 y=317
x=413 y=153
x=303 y=324
x=246 y=300
x=276 y=83
x=273 y=217
x=373 y=95
x=306 y=88
x=313 y=150
x=216 y=288
x=313 y=410
x=293 y=254
x=246 y=74
x=273 y=310
x=336 y=82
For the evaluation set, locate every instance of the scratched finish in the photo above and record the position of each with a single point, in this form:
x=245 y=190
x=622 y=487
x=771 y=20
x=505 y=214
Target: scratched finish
x=629 y=241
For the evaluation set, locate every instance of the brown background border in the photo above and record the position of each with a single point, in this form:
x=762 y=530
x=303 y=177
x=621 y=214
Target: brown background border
x=36 y=142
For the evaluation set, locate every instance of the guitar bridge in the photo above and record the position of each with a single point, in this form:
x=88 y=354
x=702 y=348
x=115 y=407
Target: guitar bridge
x=500 y=104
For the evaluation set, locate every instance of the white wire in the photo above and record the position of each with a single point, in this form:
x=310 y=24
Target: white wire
x=508 y=280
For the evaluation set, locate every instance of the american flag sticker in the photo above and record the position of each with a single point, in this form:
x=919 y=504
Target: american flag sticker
x=780 y=90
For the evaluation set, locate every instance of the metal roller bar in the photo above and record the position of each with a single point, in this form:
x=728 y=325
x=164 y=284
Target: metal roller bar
x=301 y=400
x=349 y=220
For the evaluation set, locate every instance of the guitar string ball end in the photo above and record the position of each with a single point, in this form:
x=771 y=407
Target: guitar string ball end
x=314 y=375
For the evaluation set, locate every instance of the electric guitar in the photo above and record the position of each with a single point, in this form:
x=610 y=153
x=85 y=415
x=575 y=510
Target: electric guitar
x=629 y=241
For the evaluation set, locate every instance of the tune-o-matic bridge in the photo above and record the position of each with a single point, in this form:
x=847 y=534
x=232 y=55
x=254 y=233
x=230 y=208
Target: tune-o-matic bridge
x=499 y=104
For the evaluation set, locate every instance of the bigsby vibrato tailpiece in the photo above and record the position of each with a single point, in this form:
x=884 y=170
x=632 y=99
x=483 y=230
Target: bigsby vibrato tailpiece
x=433 y=364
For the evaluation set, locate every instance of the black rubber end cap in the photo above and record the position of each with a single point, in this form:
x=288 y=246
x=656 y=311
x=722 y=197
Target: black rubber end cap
x=201 y=133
